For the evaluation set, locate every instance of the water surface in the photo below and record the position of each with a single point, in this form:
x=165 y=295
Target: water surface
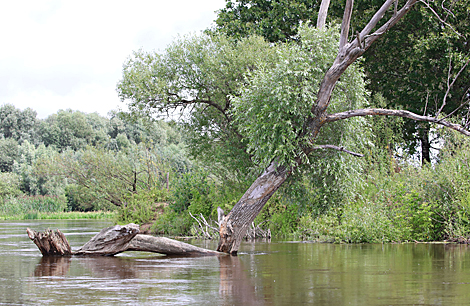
x=276 y=273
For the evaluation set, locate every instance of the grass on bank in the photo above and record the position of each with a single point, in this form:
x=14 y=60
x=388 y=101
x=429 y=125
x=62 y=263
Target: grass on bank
x=43 y=208
x=70 y=215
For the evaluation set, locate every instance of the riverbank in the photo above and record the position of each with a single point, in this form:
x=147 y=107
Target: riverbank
x=71 y=215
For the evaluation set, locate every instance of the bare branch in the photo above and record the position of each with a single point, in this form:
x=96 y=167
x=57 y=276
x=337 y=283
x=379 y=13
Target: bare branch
x=333 y=147
x=323 y=13
x=449 y=86
x=390 y=23
x=348 y=55
x=345 y=24
x=376 y=18
x=439 y=17
x=449 y=11
x=396 y=113
x=427 y=101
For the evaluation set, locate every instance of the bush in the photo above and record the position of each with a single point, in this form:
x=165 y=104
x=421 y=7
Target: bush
x=142 y=207
x=192 y=189
x=172 y=223
x=427 y=203
x=9 y=185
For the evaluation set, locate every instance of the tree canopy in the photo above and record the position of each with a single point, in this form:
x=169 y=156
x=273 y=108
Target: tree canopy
x=418 y=75
x=196 y=75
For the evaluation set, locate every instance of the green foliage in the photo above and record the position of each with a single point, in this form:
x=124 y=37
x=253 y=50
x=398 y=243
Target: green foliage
x=31 y=205
x=67 y=129
x=18 y=125
x=8 y=154
x=93 y=161
x=67 y=215
x=385 y=140
x=274 y=20
x=196 y=74
x=104 y=176
x=199 y=193
x=275 y=103
x=423 y=204
x=142 y=207
x=26 y=167
x=280 y=214
x=355 y=224
x=172 y=223
x=9 y=185
x=399 y=74
x=192 y=189
x=409 y=82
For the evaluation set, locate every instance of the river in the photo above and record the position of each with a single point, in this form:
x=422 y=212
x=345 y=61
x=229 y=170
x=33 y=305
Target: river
x=276 y=273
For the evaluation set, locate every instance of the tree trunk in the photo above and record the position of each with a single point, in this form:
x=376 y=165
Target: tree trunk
x=323 y=12
x=114 y=240
x=425 y=145
x=237 y=222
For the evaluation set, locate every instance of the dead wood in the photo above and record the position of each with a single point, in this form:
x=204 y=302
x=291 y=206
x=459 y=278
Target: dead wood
x=114 y=240
x=110 y=241
x=162 y=245
x=50 y=243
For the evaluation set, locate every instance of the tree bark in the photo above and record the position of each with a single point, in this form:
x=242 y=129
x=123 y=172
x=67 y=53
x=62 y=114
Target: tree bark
x=50 y=243
x=322 y=13
x=236 y=223
x=114 y=240
x=425 y=145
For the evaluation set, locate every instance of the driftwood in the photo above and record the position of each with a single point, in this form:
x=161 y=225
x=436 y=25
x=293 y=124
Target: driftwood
x=50 y=243
x=114 y=240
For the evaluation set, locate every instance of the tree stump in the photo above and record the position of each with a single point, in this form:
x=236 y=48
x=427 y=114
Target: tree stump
x=50 y=243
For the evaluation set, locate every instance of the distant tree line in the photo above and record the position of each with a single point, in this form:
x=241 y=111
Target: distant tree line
x=95 y=162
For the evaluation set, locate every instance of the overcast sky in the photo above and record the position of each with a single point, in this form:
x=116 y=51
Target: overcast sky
x=69 y=54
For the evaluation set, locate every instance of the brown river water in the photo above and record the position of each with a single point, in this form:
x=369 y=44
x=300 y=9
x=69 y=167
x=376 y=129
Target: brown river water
x=275 y=273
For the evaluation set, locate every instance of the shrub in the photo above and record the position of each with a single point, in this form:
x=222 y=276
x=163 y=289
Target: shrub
x=142 y=207
x=172 y=223
x=9 y=185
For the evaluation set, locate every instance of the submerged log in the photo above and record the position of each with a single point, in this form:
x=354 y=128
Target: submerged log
x=114 y=240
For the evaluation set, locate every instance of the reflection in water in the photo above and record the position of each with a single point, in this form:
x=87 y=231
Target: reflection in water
x=53 y=266
x=236 y=288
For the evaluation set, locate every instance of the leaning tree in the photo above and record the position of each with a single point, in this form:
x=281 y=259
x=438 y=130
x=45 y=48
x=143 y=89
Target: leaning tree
x=276 y=106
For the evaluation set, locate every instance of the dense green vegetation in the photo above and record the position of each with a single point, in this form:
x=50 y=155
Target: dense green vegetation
x=243 y=100
x=73 y=161
x=413 y=76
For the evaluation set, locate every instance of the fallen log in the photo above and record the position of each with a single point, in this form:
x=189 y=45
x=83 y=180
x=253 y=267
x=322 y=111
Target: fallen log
x=114 y=240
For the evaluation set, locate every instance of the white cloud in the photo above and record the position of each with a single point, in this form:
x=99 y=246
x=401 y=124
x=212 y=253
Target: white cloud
x=68 y=54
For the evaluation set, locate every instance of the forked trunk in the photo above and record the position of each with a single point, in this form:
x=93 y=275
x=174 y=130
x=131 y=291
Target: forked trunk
x=237 y=222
